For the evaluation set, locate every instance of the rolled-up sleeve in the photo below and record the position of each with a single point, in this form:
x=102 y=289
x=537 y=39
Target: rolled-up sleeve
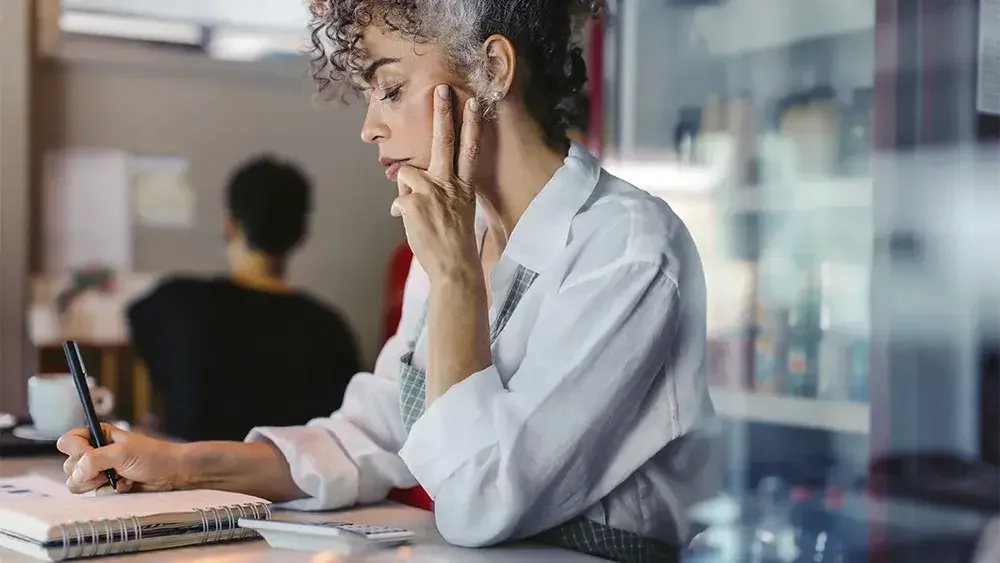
x=571 y=422
x=466 y=406
x=351 y=457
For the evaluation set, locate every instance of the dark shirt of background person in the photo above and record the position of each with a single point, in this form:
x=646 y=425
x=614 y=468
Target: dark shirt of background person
x=244 y=350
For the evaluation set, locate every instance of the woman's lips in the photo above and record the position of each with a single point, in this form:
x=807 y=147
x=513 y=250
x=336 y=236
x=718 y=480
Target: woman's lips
x=392 y=168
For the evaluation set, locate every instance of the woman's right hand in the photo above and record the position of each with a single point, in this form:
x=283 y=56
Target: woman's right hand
x=142 y=463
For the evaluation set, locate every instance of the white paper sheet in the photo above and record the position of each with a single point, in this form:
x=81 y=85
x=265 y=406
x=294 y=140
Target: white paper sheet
x=87 y=209
x=163 y=196
x=31 y=487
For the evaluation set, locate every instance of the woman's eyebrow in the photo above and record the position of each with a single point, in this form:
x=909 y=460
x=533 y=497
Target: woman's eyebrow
x=369 y=72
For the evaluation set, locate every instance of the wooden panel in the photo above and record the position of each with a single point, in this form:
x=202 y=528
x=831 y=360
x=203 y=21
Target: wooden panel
x=15 y=179
x=47 y=32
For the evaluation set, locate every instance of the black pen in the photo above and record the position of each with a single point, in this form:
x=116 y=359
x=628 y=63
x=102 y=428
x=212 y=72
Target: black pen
x=79 y=372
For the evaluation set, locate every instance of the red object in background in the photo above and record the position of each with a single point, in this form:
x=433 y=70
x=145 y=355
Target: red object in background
x=416 y=497
x=399 y=267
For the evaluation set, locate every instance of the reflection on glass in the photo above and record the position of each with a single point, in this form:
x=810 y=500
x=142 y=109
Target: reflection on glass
x=853 y=305
x=764 y=149
x=754 y=119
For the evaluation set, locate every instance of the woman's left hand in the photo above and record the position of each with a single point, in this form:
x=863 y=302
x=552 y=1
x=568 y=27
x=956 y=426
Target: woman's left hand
x=438 y=205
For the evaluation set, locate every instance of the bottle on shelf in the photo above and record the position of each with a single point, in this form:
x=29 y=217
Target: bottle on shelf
x=825 y=537
x=843 y=363
x=809 y=118
x=686 y=134
x=855 y=135
x=729 y=346
x=728 y=359
x=859 y=370
x=770 y=320
x=769 y=349
x=774 y=535
x=834 y=382
x=804 y=500
x=819 y=541
x=804 y=333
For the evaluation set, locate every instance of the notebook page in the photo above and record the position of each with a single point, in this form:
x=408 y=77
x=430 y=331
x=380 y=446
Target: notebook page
x=40 y=519
x=23 y=487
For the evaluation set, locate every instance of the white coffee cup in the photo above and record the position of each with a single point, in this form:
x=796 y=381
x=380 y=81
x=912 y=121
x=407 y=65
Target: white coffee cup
x=55 y=406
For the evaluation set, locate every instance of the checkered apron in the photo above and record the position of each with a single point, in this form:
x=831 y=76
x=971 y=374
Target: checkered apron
x=580 y=534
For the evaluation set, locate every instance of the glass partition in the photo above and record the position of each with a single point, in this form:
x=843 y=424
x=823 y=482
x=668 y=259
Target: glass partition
x=836 y=161
x=754 y=120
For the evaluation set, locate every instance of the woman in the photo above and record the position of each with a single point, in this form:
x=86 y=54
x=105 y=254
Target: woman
x=550 y=357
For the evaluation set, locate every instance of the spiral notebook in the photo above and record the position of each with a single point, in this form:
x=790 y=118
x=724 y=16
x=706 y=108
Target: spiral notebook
x=57 y=529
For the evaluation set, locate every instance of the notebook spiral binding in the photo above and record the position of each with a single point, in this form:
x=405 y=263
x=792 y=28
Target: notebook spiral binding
x=114 y=536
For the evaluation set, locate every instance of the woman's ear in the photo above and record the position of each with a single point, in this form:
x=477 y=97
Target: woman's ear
x=501 y=64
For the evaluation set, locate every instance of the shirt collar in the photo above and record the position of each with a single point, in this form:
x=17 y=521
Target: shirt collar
x=543 y=229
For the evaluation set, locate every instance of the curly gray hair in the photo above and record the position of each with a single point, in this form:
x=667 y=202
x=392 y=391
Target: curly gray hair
x=542 y=32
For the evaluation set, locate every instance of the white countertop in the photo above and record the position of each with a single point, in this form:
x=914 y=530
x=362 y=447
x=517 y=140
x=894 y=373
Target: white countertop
x=428 y=547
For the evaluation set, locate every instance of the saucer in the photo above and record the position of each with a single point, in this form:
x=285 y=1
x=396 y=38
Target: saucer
x=29 y=432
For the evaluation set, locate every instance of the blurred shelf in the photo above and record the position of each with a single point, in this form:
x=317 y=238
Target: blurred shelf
x=278 y=15
x=669 y=179
x=79 y=51
x=736 y=28
x=821 y=194
x=836 y=416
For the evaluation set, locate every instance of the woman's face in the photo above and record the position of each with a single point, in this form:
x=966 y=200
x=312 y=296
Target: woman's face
x=399 y=88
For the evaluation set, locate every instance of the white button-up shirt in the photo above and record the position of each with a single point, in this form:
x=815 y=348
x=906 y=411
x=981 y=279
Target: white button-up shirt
x=597 y=376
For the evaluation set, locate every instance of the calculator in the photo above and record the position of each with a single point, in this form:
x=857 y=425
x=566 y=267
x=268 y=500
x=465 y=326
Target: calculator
x=372 y=533
x=315 y=535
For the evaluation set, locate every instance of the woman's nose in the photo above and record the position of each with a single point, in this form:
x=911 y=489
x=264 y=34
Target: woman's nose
x=373 y=129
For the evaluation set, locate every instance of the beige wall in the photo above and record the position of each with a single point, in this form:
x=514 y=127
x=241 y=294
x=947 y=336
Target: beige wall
x=15 y=92
x=217 y=114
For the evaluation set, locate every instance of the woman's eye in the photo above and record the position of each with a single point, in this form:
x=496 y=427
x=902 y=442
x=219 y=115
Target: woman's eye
x=392 y=94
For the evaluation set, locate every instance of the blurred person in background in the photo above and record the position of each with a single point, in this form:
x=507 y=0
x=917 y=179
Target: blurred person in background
x=547 y=377
x=246 y=349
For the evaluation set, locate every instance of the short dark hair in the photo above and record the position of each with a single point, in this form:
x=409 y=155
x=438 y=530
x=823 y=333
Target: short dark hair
x=270 y=200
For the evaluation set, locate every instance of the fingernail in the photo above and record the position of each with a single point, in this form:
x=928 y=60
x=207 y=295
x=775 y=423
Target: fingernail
x=77 y=473
x=473 y=104
x=442 y=91
x=394 y=210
